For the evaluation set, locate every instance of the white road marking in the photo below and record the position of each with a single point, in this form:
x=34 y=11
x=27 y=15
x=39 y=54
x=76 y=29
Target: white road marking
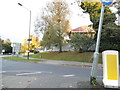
x=20 y=82
x=68 y=75
x=27 y=73
x=2 y=72
x=35 y=78
x=2 y=85
x=70 y=86
x=46 y=72
x=100 y=76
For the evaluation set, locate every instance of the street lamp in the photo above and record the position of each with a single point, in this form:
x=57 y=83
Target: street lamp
x=29 y=28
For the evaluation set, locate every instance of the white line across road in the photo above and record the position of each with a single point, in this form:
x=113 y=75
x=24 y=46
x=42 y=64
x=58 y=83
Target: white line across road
x=69 y=75
x=2 y=72
x=100 y=76
x=27 y=73
x=46 y=72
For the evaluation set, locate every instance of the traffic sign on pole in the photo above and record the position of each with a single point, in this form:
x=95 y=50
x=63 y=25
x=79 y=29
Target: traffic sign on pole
x=107 y=2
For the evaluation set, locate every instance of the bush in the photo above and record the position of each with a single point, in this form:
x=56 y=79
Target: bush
x=81 y=43
x=36 y=52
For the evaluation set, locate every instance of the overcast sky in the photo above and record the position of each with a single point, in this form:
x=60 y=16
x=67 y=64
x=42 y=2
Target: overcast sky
x=14 y=19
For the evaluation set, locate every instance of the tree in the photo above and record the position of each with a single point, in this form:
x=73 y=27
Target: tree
x=116 y=5
x=6 y=45
x=110 y=37
x=53 y=23
x=35 y=43
x=109 y=27
x=0 y=45
x=81 y=43
x=94 y=9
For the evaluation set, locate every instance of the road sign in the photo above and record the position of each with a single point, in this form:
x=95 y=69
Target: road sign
x=107 y=2
x=29 y=39
x=16 y=47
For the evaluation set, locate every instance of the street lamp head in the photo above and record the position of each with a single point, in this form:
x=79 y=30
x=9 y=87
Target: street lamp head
x=20 y=4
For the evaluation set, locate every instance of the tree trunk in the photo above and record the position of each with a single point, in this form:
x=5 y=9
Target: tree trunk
x=80 y=50
x=60 y=48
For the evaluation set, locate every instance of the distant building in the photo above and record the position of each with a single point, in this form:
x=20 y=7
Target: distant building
x=84 y=30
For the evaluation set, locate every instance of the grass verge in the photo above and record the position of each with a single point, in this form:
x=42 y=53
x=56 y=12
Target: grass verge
x=67 y=56
x=16 y=58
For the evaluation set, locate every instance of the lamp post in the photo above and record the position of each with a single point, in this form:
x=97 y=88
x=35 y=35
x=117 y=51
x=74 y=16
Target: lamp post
x=29 y=28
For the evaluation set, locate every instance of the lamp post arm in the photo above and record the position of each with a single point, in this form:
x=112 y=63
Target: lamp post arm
x=23 y=6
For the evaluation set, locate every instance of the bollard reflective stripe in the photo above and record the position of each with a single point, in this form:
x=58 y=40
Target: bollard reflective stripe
x=110 y=68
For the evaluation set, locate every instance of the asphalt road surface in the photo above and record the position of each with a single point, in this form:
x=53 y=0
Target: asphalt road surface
x=33 y=75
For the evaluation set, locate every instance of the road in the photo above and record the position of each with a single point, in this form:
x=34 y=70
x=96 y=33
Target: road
x=33 y=75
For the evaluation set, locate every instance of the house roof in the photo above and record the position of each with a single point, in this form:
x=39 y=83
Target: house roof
x=79 y=30
x=83 y=29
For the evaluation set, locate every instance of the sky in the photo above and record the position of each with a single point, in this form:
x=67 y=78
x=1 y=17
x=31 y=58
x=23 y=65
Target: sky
x=14 y=19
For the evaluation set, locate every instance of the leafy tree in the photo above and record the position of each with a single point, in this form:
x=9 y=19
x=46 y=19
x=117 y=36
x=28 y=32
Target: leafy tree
x=53 y=23
x=0 y=45
x=35 y=43
x=109 y=31
x=93 y=8
x=6 y=45
x=116 y=5
x=81 y=42
x=110 y=37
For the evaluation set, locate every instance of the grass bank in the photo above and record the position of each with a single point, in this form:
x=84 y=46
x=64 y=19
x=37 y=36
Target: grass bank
x=67 y=56
x=16 y=58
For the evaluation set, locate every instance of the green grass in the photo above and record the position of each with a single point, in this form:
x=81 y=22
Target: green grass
x=67 y=56
x=16 y=58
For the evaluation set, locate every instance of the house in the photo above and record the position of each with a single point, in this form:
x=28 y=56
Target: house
x=84 y=30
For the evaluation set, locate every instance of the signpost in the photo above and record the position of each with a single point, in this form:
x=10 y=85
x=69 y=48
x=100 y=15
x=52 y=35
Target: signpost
x=29 y=39
x=96 y=53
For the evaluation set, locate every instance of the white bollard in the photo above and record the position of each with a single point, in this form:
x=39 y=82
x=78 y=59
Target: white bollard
x=110 y=68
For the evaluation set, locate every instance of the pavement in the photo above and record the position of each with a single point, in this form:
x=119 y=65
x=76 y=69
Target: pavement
x=59 y=62
x=65 y=63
